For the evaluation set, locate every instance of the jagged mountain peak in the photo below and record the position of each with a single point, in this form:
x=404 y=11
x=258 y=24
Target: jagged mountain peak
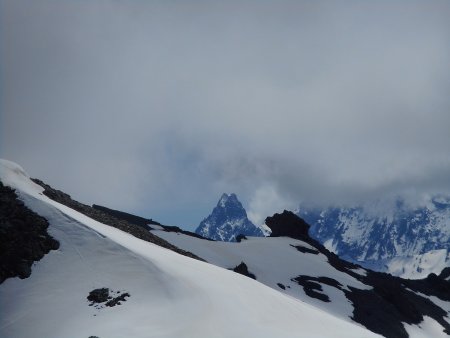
x=228 y=220
x=230 y=201
x=227 y=200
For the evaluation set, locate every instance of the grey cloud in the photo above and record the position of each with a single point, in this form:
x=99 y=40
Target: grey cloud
x=160 y=107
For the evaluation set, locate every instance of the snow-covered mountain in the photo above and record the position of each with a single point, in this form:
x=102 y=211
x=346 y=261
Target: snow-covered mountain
x=300 y=267
x=228 y=220
x=385 y=231
x=139 y=289
x=108 y=277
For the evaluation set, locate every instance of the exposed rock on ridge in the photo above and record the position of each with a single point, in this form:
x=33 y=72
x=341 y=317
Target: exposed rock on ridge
x=23 y=236
x=141 y=221
x=105 y=218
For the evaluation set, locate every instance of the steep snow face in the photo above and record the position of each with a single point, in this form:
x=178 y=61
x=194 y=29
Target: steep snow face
x=375 y=232
x=228 y=220
x=171 y=295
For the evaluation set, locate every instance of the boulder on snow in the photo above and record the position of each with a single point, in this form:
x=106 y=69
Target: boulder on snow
x=103 y=295
x=98 y=295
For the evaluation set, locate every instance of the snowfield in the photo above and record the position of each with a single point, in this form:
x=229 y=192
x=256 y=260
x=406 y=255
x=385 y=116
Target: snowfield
x=264 y=258
x=418 y=266
x=170 y=295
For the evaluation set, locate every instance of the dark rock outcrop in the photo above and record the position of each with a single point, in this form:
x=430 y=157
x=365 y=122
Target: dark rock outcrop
x=445 y=274
x=313 y=286
x=145 y=223
x=110 y=220
x=288 y=224
x=98 y=295
x=304 y=249
x=173 y=228
x=240 y=237
x=243 y=270
x=104 y=295
x=141 y=221
x=281 y=286
x=390 y=302
x=23 y=236
x=117 y=300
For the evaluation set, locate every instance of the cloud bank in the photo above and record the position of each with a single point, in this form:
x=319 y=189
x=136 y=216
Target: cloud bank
x=159 y=107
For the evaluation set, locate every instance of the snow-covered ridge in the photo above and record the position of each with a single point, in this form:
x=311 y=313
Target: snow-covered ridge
x=170 y=295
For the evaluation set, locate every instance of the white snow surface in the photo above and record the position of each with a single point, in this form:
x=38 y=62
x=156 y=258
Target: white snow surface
x=418 y=266
x=273 y=260
x=171 y=295
x=265 y=229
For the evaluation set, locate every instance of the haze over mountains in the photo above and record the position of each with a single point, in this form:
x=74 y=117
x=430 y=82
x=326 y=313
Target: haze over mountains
x=163 y=106
x=146 y=112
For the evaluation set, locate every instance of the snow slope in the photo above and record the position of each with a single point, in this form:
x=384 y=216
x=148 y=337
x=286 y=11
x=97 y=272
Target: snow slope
x=171 y=295
x=276 y=262
x=265 y=257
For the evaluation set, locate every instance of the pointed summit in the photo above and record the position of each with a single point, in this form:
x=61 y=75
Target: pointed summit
x=228 y=199
x=227 y=220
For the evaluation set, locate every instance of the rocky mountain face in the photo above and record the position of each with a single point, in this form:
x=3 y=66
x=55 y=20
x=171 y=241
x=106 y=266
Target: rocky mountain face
x=23 y=236
x=377 y=232
x=228 y=220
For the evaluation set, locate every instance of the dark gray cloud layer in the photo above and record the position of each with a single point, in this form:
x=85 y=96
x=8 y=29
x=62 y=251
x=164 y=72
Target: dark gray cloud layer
x=159 y=107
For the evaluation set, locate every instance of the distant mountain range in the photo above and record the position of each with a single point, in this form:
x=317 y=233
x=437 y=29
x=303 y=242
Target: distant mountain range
x=388 y=236
x=227 y=221
x=378 y=235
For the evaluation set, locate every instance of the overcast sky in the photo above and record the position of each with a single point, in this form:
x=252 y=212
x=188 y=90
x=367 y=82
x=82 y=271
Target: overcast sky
x=158 y=107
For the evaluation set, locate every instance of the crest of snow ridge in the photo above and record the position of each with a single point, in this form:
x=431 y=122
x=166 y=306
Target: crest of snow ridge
x=228 y=220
